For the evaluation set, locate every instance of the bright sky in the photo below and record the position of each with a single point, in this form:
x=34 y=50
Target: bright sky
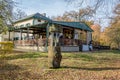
x=55 y=8
x=50 y=7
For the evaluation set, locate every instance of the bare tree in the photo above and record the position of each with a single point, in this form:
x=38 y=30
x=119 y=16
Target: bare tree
x=6 y=8
x=100 y=7
x=81 y=15
x=19 y=14
x=113 y=31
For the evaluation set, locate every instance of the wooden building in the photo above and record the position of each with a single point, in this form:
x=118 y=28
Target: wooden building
x=33 y=33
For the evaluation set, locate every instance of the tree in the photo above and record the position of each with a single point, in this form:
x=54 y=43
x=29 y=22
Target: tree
x=54 y=52
x=113 y=31
x=89 y=23
x=6 y=7
x=97 y=31
x=104 y=39
x=82 y=15
x=85 y=14
x=102 y=8
x=65 y=17
x=19 y=14
x=54 y=49
x=96 y=4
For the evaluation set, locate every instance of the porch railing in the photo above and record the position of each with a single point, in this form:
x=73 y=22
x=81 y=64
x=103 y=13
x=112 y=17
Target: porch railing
x=32 y=42
x=42 y=42
x=71 y=42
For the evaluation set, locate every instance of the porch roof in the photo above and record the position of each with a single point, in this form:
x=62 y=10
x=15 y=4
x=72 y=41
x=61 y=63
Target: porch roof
x=78 y=25
x=36 y=27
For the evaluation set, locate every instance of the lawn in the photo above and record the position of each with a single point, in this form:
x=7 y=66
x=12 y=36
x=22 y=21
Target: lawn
x=98 y=65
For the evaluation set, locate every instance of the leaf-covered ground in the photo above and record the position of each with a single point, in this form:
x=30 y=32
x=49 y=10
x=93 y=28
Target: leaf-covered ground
x=99 y=65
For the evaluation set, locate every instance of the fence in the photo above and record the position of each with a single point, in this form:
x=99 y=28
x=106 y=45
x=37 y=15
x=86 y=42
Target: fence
x=42 y=42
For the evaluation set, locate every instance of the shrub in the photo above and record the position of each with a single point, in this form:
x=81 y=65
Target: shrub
x=6 y=47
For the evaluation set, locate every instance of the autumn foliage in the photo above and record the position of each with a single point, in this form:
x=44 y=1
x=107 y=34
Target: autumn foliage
x=6 y=47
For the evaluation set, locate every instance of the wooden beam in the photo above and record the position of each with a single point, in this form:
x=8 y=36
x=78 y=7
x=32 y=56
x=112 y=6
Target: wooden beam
x=9 y=35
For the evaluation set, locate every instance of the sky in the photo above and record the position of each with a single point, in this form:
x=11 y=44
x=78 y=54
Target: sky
x=57 y=8
x=50 y=7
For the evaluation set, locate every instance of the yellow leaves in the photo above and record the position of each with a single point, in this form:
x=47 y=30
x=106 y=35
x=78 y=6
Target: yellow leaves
x=97 y=32
x=6 y=47
x=105 y=65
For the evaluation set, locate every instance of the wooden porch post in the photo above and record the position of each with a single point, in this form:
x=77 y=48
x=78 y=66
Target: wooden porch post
x=21 y=34
x=28 y=32
x=47 y=35
x=14 y=38
x=9 y=35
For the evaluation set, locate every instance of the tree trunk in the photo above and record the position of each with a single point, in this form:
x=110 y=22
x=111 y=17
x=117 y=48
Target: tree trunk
x=54 y=50
x=37 y=45
x=119 y=46
x=54 y=56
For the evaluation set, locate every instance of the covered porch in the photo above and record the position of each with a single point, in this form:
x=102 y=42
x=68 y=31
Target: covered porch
x=37 y=38
x=33 y=32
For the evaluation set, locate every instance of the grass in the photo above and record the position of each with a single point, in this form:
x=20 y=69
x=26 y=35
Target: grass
x=98 y=65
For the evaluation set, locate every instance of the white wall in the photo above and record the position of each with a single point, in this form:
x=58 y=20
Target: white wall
x=31 y=21
x=76 y=34
x=89 y=37
x=24 y=23
x=70 y=48
x=85 y=48
x=37 y=22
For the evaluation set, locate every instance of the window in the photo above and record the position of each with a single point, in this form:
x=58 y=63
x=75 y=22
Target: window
x=39 y=20
x=21 y=26
x=16 y=27
x=68 y=33
x=28 y=24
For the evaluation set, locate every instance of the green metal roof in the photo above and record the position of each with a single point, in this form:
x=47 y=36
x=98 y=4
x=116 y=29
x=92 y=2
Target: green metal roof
x=78 y=25
x=35 y=16
x=11 y=28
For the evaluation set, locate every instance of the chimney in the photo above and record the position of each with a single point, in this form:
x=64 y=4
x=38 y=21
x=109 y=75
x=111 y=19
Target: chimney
x=44 y=14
